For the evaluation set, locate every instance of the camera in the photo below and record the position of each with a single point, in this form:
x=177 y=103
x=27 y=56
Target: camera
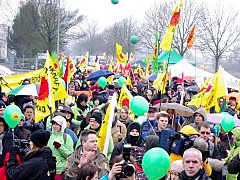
x=181 y=142
x=22 y=146
x=127 y=166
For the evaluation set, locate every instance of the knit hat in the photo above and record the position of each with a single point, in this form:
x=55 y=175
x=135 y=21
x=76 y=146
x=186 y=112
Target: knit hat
x=40 y=138
x=97 y=116
x=134 y=125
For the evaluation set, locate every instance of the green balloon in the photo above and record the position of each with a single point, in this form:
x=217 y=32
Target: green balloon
x=155 y=163
x=139 y=105
x=12 y=115
x=102 y=81
x=228 y=122
x=134 y=39
x=121 y=81
x=114 y=1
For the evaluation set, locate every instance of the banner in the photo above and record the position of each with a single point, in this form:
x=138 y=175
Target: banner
x=10 y=82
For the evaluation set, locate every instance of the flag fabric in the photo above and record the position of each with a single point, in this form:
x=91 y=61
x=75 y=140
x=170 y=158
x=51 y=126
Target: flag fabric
x=175 y=18
x=155 y=54
x=105 y=134
x=61 y=65
x=50 y=91
x=129 y=82
x=212 y=90
x=83 y=62
x=69 y=71
x=110 y=66
x=56 y=63
x=131 y=57
x=166 y=43
x=121 y=58
x=125 y=97
x=191 y=39
x=110 y=79
x=161 y=82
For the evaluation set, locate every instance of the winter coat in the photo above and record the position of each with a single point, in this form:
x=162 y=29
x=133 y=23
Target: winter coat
x=234 y=166
x=137 y=152
x=148 y=126
x=201 y=175
x=62 y=152
x=35 y=166
x=33 y=126
x=72 y=169
x=22 y=133
x=119 y=131
x=234 y=152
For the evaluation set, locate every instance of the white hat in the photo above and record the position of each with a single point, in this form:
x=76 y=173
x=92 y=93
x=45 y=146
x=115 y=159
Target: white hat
x=61 y=121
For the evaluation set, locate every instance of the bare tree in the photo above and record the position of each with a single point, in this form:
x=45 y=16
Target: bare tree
x=120 y=32
x=157 y=19
x=218 y=34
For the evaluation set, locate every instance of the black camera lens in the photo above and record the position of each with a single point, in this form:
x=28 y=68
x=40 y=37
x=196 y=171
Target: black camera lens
x=128 y=170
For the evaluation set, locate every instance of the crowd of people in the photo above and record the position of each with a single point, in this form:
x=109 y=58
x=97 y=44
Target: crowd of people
x=64 y=145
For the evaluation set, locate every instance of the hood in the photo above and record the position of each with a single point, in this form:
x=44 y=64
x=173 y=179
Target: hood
x=134 y=125
x=202 y=112
x=61 y=121
x=236 y=132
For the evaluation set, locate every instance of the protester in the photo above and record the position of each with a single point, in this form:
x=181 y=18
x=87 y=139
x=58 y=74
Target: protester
x=151 y=122
x=60 y=143
x=192 y=165
x=199 y=117
x=88 y=145
x=38 y=164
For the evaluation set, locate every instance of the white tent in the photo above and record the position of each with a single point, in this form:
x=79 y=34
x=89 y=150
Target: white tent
x=230 y=80
x=4 y=71
x=189 y=70
x=200 y=75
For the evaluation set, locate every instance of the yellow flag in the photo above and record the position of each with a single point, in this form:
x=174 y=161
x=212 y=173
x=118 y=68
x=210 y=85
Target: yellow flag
x=110 y=79
x=11 y=82
x=83 y=62
x=50 y=91
x=166 y=43
x=121 y=58
x=125 y=97
x=110 y=66
x=104 y=136
x=129 y=82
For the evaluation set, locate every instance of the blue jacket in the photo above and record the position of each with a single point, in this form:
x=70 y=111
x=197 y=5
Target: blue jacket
x=148 y=126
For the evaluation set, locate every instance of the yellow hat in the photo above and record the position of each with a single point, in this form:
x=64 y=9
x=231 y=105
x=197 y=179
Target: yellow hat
x=188 y=130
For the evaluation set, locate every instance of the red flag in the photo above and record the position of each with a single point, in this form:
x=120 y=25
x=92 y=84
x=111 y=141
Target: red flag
x=175 y=19
x=66 y=74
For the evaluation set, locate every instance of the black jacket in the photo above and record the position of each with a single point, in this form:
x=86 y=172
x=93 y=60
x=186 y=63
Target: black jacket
x=201 y=175
x=35 y=166
x=234 y=166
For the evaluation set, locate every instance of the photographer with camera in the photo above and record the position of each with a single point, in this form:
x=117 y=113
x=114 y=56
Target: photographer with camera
x=39 y=162
x=123 y=166
x=136 y=150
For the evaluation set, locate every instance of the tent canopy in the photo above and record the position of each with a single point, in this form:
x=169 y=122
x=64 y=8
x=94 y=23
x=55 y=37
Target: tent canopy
x=4 y=71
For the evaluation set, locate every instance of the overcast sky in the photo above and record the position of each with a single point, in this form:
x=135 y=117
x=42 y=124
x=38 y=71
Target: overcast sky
x=106 y=13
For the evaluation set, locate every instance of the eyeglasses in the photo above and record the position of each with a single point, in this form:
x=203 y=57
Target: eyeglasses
x=204 y=132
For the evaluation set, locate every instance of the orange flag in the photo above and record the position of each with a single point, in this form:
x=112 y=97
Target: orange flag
x=191 y=39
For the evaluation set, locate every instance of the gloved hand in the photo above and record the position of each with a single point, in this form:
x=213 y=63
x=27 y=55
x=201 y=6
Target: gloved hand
x=56 y=144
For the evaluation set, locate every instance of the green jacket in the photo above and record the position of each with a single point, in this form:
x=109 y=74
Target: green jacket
x=234 y=151
x=63 y=152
